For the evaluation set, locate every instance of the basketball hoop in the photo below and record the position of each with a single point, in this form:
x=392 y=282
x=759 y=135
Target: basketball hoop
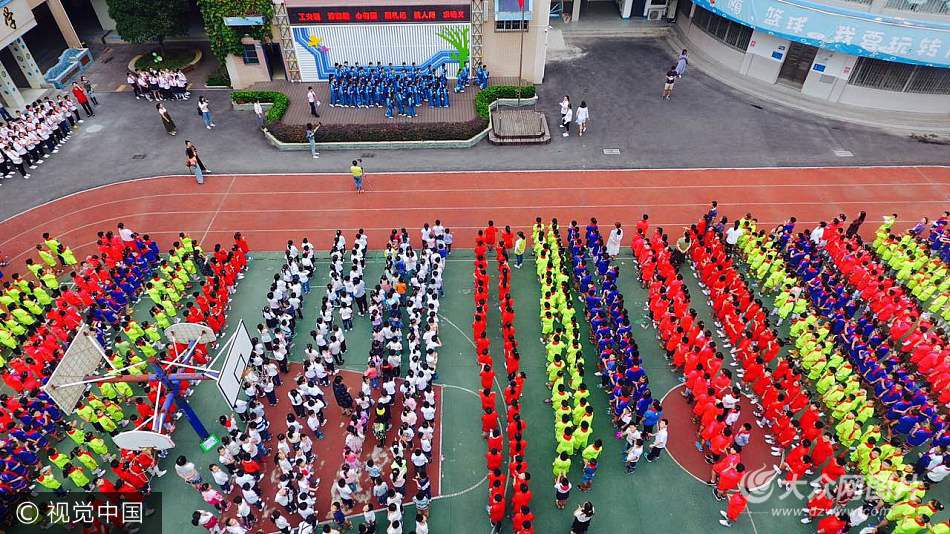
x=67 y=384
x=187 y=332
x=136 y=440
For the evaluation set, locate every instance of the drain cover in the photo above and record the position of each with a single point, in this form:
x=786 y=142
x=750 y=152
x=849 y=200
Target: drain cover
x=611 y=151
x=138 y=156
x=843 y=153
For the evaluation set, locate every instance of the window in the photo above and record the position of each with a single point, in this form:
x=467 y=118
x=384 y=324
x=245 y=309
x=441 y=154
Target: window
x=510 y=25
x=900 y=77
x=250 y=55
x=511 y=10
x=732 y=33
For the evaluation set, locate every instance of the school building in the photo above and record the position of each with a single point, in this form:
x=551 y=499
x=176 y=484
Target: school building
x=33 y=35
x=310 y=36
x=879 y=54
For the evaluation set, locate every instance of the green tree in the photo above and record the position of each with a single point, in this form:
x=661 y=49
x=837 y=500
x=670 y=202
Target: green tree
x=225 y=39
x=143 y=21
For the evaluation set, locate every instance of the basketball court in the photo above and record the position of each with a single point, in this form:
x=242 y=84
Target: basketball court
x=668 y=495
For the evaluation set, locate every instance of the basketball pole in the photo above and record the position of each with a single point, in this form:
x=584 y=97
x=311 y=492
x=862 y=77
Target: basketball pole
x=521 y=52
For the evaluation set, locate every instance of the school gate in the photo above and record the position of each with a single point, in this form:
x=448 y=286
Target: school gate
x=436 y=34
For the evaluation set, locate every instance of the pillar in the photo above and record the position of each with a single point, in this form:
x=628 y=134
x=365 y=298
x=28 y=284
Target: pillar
x=102 y=13
x=27 y=64
x=64 y=24
x=12 y=99
x=575 y=10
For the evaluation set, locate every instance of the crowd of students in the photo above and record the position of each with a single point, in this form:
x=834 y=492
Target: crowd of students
x=39 y=131
x=838 y=383
x=411 y=282
x=828 y=313
x=399 y=90
x=918 y=265
x=564 y=357
x=43 y=315
x=157 y=85
x=522 y=518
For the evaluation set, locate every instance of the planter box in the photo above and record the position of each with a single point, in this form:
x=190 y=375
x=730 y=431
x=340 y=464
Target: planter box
x=392 y=145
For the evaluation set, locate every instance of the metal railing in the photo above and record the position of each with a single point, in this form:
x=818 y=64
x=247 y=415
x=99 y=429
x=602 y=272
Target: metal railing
x=937 y=7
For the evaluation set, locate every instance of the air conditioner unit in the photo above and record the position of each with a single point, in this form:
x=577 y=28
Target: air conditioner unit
x=656 y=13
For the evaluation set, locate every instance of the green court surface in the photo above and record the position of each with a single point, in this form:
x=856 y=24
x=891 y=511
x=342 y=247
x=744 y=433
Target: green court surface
x=659 y=497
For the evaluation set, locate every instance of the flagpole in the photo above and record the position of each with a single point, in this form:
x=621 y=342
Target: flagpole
x=521 y=51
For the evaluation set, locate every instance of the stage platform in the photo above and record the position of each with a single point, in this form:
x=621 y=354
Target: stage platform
x=461 y=106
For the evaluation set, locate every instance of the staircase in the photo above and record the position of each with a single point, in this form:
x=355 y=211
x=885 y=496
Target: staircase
x=631 y=28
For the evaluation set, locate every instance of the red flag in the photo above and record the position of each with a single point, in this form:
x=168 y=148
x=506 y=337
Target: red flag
x=521 y=4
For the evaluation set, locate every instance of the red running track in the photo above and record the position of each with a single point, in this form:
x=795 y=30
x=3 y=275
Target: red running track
x=270 y=209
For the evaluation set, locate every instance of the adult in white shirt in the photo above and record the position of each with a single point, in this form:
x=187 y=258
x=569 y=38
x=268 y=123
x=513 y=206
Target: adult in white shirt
x=614 y=241
x=312 y=100
x=818 y=234
x=732 y=235
x=125 y=234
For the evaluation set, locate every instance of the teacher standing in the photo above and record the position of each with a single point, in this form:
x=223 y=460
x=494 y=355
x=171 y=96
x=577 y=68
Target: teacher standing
x=166 y=119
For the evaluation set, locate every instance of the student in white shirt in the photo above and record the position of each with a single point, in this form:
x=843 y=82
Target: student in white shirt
x=583 y=117
x=568 y=118
x=659 y=441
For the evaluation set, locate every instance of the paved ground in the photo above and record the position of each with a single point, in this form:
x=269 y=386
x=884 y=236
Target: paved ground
x=705 y=125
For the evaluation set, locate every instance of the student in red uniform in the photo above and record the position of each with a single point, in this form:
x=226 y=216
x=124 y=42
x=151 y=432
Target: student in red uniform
x=496 y=511
x=491 y=235
x=833 y=524
x=508 y=238
x=735 y=507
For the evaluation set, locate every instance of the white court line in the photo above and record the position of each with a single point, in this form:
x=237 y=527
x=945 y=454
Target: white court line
x=529 y=171
x=218 y=210
x=333 y=229
x=229 y=192
x=477 y=208
x=663 y=398
x=563 y=206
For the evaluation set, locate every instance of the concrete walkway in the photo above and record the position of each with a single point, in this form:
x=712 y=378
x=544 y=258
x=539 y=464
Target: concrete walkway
x=706 y=124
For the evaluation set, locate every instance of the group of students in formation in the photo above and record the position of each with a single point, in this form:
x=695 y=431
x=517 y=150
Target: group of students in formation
x=43 y=445
x=522 y=518
x=399 y=89
x=636 y=414
x=872 y=408
x=394 y=401
x=38 y=132
x=156 y=85
x=920 y=259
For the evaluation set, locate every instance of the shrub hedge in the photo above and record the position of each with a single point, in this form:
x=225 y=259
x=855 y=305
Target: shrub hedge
x=439 y=131
x=279 y=100
x=422 y=131
x=485 y=97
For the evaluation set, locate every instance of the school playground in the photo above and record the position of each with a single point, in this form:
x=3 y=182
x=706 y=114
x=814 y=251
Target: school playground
x=668 y=495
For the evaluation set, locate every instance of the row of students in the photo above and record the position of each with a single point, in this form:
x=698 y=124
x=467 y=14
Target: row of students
x=623 y=377
x=913 y=263
x=158 y=85
x=37 y=133
x=564 y=357
x=521 y=516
